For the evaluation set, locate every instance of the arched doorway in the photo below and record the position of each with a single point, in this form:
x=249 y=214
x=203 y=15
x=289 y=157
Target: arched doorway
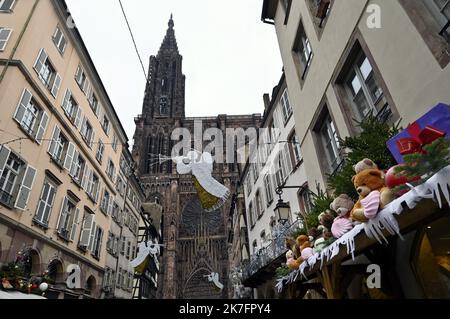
x=91 y=283
x=30 y=262
x=55 y=271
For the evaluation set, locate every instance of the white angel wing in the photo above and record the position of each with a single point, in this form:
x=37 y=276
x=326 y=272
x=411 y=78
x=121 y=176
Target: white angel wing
x=203 y=174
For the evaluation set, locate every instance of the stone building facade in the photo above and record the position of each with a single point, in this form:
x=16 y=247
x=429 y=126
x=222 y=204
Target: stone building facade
x=195 y=241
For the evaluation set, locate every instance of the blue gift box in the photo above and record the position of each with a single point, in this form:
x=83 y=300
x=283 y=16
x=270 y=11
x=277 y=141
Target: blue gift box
x=438 y=118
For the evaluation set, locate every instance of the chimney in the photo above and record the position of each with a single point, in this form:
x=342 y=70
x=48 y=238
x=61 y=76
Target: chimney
x=266 y=99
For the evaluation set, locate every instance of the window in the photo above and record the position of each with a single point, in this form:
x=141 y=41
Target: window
x=364 y=92
x=286 y=106
x=296 y=148
x=269 y=190
x=115 y=212
x=59 y=148
x=93 y=102
x=259 y=205
x=110 y=243
x=119 y=278
x=77 y=168
x=30 y=117
x=87 y=229
x=251 y=216
x=7 y=5
x=45 y=205
x=279 y=170
x=100 y=151
x=105 y=124
x=105 y=204
x=110 y=170
x=59 y=40
x=16 y=180
x=4 y=37
x=97 y=245
x=72 y=109
x=287 y=9
x=93 y=186
x=123 y=245
x=255 y=247
x=330 y=143
x=163 y=109
x=68 y=220
x=248 y=181
x=440 y=9
x=47 y=73
x=305 y=201
x=302 y=52
x=115 y=142
x=128 y=255
x=320 y=10
x=82 y=81
x=87 y=132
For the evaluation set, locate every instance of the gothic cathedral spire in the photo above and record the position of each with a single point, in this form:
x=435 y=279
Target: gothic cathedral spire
x=165 y=91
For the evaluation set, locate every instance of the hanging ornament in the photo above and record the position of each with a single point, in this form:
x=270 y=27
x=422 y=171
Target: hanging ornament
x=211 y=193
x=146 y=250
x=214 y=278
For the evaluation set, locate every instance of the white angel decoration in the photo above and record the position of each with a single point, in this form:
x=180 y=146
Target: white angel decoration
x=146 y=249
x=211 y=193
x=214 y=278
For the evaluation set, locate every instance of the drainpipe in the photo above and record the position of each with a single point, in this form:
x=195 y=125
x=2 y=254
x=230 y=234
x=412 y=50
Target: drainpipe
x=19 y=40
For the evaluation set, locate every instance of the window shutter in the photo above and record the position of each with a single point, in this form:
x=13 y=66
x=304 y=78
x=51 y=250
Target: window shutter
x=99 y=110
x=52 y=145
x=51 y=197
x=21 y=108
x=86 y=87
x=83 y=126
x=41 y=206
x=92 y=236
x=73 y=166
x=65 y=102
x=62 y=215
x=110 y=206
x=91 y=142
x=78 y=75
x=56 y=85
x=25 y=188
x=69 y=156
x=4 y=155
x=86 y=231
x=85 y=181
x=78 y=118
x=100 y=241
x=42 y=57
x=74 y=225
x=287 y=156
x=42 y=127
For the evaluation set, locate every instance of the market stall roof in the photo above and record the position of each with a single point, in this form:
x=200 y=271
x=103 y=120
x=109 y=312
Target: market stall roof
x=18 y=295
x=424 y=202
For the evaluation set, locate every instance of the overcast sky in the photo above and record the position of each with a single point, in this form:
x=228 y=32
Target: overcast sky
x=230 y=57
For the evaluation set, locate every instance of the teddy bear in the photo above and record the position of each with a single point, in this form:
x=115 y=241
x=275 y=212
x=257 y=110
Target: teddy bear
x=291 y=262
x=305 y=247
x=373 y=194
x=299 y=251
x=342 y=224
x=326 y=220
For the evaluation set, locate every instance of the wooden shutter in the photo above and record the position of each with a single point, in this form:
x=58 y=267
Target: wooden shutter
x=62 y=215
x=56 y=85
x=40 y=61
x=74 y=225
x=25 y=188
x=74 y=165
x=65 y=101
x=69 y=156
x=86 y=231
x=91 y=142
x=52 y=144
x=92 y=236
x=42 y=127
x=288 y=160
x=78 y=75
x=25 y=99
x=4 y=155
x=78 y=118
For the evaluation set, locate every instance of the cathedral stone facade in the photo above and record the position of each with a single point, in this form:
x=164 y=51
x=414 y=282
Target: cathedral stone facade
x=195 y=241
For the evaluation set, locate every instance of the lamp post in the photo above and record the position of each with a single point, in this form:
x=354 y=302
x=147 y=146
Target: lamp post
x=282 y=209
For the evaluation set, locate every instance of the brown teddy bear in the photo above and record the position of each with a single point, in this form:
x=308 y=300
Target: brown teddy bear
x=326 y=220
x=299 y=250
x=371 y=189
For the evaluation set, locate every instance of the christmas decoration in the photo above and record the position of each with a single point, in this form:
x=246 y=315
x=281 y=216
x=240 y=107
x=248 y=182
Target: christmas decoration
x=214 y=278
x=211 y=193
x=436 y=188
x=146 y=250
x=342 y=224
x=431 y=126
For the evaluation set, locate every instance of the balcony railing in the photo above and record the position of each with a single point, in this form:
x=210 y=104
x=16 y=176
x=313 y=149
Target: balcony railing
x=272 y=250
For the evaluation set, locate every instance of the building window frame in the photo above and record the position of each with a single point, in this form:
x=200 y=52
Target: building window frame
x=7 y=9
x=46 y=203
x=268 y=189
x=5 y=35
x=47 y=73
x=59 y=39
x=302 y=53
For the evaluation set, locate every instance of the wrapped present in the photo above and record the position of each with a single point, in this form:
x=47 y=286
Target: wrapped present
x=433 y=125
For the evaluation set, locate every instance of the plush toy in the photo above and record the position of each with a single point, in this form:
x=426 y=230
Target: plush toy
x=305 y=247
x=326 y=220
x=342 y=224
x=291 y=244
x=291 y=262
x=366 y=182
x=363 y=165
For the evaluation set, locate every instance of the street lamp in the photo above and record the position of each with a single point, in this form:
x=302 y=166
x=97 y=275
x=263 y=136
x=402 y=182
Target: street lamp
x=282 y=209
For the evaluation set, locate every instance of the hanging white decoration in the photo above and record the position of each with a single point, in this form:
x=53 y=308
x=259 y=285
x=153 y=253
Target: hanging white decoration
x=211 y=193
x=214 y=278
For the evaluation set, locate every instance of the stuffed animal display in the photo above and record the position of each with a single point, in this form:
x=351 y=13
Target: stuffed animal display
x=342 y=224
